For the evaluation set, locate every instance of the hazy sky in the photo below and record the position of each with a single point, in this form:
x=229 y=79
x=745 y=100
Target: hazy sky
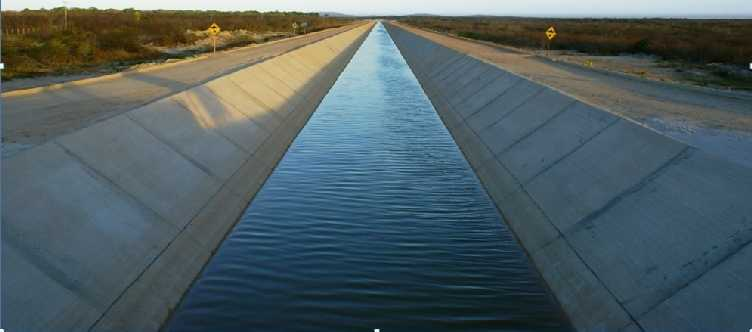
x=737 y=8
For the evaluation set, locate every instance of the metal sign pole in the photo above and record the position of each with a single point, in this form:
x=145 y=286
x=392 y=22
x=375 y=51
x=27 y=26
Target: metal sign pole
x=550 y=35
x=65 y=18
x=214 y=31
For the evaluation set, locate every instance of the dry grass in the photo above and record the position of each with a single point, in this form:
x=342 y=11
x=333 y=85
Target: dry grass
x=35 y=42
x=698 y=41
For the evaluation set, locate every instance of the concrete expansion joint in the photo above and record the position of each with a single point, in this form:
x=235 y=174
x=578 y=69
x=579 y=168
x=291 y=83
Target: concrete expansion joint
x=449 y=106
x=98 y=175
x=439 y=79
x=211 y=251
x=134 y=281
x=448 y=65
x=515 y=108
x=172 y=146
x=684 y=153
x=681 y=155
x=711 y=267
x=478 y=90
x=501 y=95
x=453 y=69
x=36 y=258
x=543 y=124
x=561 y=236
x=532 y=199
x=180 y=233
x=613 y=296
x=88 y=168
x=497 y=74
x=284 y=82
x=585 y=142
x=227 y=102
x=232 y=141
x=286 y=109
x=260 y=103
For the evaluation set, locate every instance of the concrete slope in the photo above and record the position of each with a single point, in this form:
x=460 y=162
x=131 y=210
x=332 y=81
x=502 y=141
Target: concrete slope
x=34 y=116
x=105 y=228
x=630 y=229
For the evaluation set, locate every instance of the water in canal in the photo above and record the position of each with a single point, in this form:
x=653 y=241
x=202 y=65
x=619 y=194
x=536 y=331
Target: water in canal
x=372 y=220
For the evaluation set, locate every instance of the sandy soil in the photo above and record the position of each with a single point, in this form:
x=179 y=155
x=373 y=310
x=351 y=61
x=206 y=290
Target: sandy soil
x=204 y=44
x=715 y=120
x=653 y=68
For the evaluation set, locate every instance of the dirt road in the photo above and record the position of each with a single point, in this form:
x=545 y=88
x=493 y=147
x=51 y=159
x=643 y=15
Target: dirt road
x=33 y=116
x=719 y=122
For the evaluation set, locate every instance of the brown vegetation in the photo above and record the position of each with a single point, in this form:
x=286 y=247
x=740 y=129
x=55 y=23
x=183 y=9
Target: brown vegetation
x=39 y=42
x=699 y=41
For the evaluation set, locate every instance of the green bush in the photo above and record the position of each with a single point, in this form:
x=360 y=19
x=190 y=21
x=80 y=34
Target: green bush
x=84 y=49
x=120 y=39
x=56 y=50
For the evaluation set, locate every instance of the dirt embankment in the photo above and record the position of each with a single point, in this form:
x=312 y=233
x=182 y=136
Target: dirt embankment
x=715 y=75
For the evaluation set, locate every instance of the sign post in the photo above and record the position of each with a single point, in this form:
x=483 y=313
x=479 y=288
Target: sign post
x=65 y=20
x=214 y=31
x=550 y=34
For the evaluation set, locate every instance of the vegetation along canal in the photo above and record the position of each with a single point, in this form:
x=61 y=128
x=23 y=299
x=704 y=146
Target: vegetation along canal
x=372 y=220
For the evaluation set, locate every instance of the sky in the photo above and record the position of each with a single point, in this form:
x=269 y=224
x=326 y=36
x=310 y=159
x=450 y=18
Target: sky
x=562 y=8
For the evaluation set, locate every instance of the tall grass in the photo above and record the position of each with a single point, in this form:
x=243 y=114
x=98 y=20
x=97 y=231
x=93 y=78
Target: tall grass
x=38 y=42
x=701 y=41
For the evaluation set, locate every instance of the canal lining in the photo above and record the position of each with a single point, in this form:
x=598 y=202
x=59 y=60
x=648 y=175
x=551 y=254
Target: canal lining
x=629 y=228
x=105 y=228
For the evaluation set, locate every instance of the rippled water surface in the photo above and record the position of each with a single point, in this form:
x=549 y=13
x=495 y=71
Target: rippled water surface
x=373 y=219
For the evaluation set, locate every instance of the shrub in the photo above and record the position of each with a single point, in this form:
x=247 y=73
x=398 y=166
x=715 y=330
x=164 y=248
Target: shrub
x=35 y=42
x=701 y=41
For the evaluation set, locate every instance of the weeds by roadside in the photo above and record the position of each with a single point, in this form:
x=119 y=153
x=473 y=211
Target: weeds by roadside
x=41 y=42
x=704 y=41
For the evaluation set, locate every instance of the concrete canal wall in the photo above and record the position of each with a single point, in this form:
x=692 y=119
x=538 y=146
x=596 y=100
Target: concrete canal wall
x=105 y=229
x=630 y=229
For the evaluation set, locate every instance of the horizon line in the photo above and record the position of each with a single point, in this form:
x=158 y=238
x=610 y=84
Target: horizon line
x=334 y=13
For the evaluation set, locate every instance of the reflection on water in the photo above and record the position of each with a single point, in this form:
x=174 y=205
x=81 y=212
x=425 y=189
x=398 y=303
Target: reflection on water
x=373 y=219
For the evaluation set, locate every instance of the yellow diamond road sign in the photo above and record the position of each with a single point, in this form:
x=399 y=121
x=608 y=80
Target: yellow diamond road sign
x=551 y=33
x=213 y=29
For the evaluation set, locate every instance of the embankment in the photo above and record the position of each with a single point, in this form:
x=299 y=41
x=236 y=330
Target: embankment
x=630 y=229
x=105 y=228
